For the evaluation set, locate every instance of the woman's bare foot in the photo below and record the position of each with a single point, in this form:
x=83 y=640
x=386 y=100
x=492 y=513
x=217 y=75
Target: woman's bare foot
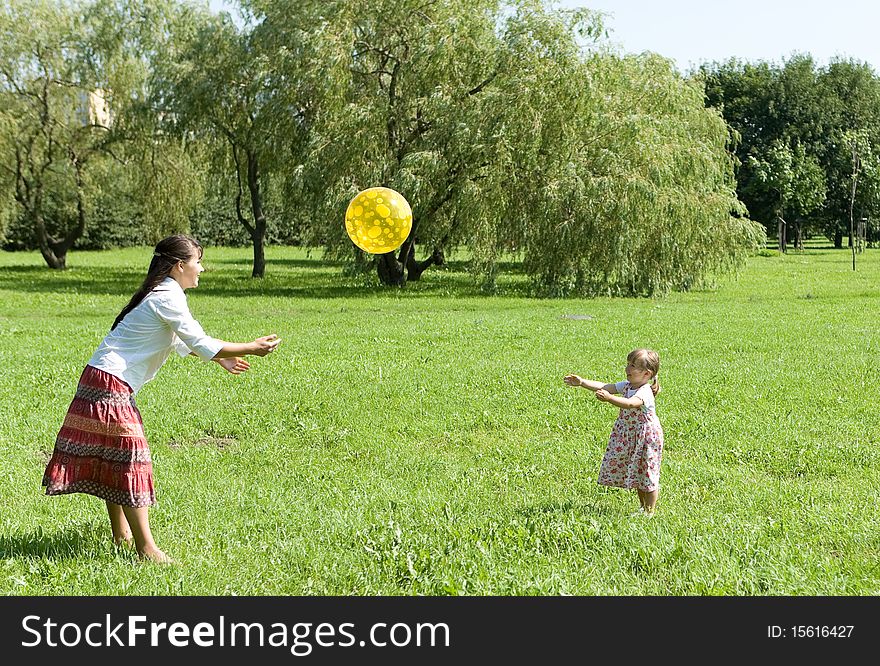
x=155 y=555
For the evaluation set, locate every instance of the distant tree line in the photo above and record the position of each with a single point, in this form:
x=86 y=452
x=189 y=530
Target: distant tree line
x=511 y=128
x=807 y=143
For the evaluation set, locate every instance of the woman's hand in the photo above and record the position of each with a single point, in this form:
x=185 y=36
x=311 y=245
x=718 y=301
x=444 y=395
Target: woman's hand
x=573 y=380
x=235 y=365
x=265 y=345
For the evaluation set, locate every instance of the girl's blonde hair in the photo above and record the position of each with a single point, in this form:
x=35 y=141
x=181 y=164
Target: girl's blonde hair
x=649 y=360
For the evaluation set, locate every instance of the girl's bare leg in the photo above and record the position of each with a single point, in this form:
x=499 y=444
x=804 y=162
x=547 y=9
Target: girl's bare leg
x=119 y=525
x=139 y=520
x=648 y=500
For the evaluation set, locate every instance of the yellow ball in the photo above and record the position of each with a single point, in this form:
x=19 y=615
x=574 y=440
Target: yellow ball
x=378 y=220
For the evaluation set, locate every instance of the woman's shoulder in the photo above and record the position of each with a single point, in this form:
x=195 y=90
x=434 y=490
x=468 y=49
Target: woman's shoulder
x=167 y=290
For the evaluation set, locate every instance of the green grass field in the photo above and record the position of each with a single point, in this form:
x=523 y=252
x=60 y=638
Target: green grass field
x=422 y=441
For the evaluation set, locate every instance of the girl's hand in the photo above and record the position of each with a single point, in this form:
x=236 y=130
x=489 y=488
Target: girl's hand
x=603 y=395
x=573 y=380
x=265 y=345
x=235 y=365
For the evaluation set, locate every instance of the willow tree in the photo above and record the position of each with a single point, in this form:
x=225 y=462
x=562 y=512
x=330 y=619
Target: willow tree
x=216 y=85
x=622 y=180
x=73 y=83
x=50 y=116
x=605 y=174
x=393 y=94
x=164 y=174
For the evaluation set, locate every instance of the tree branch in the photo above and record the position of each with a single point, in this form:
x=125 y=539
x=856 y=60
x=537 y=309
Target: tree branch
x=479 y=88
x=240 y=193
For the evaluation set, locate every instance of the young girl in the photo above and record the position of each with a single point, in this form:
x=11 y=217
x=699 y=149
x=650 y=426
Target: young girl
x=101 y=449
x=632 y=459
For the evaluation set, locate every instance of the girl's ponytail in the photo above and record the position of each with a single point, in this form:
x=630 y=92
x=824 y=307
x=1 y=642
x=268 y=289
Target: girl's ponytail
x=655 y=384
x=168 y=253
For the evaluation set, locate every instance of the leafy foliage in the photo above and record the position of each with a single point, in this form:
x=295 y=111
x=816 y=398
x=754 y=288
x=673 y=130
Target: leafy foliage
x=80 y=146
x=511 y=129
x=606 y=174
x=793 y=122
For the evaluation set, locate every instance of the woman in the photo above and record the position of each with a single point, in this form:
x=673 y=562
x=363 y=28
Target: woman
x=101 y=449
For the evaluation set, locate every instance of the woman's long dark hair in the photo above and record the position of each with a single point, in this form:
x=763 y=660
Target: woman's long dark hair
x=169 y=251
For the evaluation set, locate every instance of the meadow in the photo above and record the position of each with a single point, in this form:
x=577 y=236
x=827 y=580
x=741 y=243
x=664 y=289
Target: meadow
x=422 y=442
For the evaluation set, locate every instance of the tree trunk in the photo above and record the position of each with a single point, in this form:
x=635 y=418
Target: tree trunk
x=54 y=261
x=259 y=241
x=857 y=167
x=838 y=239
x=54 y=251
x=45 y=243
x=414 y=269
x=258 y=231
x=781 y=230
x=390 y=271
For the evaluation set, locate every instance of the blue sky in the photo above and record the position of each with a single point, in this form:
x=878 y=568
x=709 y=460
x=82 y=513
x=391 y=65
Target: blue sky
x=695 y=31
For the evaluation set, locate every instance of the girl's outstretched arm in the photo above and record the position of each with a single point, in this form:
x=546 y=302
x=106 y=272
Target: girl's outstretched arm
x=574 y=380
x=617 y=401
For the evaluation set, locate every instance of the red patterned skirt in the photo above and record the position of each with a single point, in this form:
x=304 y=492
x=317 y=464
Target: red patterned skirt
x=101 y=449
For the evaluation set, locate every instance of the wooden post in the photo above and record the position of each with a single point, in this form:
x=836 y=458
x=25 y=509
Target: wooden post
x=781 y=233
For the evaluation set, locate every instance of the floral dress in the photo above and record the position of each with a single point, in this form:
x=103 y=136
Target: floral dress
x=632 y=459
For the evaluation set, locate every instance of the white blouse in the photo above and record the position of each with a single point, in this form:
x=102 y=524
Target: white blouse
x=161 y=323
